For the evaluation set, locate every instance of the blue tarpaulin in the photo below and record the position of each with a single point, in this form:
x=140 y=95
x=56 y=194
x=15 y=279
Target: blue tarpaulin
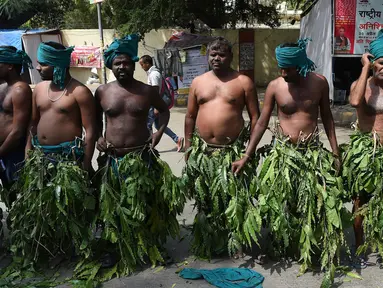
x=13 y=37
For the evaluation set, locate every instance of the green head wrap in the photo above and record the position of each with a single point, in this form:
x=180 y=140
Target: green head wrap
x=127 y=46
x=288 y=57
x=59 y=59
x=17 y=57
x=376 y=46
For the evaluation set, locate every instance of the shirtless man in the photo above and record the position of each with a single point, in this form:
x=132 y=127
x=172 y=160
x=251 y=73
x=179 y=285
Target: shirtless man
x=217 y=99
x=298 y=100
x=126 y=104
x=215 y=125
x=367 y=97
x=64 y=107
x=128 y=147
x=15 y=113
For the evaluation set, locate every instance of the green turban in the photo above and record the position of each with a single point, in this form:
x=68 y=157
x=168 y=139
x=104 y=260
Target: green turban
x=376 y=46
x=58 y=58
x=288 y=57
x=17 y=57
x=127 y=46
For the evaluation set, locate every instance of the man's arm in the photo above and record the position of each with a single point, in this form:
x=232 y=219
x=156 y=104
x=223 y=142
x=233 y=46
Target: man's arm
x=87 y=106
x=358 y=88
x=191 y=115
x=260 y=127
x=34 y=121
x=251 y=100
x=327 y=119
x=22 y=102
x=164 y=115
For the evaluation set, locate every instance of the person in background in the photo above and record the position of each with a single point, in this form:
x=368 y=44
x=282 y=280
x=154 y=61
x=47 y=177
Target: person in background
x=155 y=79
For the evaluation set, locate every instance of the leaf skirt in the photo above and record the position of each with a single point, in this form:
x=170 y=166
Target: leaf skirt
x=363 y=178
x=226 y=217
x=54 y=211
x=140 y=199
x=301 y=200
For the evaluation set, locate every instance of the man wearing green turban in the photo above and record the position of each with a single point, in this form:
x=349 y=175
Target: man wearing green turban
x=60 y=149
x=15 y=112
x=298 y=172
x=363 y=160
x=136 y=208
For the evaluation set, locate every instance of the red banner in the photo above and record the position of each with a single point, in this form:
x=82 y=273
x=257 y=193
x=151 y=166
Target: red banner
x=357 y=23
x=86 y=56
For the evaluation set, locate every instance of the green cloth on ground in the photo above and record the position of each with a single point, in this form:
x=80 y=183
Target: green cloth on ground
x=301 y=199
x=226 y=277
x=55 y=210
x=376 y=46
x=58 y=58
x=226 y=219
x=362 y=177
x=291 y=57
x=127 y=45
x=17 y=57
x=140 y=199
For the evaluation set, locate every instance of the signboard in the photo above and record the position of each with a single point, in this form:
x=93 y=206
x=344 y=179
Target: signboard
x=357 y=23
x=196 y=64
x=86 y=57
x=95 y=1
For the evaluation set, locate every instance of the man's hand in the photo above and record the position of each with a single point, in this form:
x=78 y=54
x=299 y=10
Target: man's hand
x=337 y=164
x=366 y=59
x=156 y=113
x=237 y=166
x=101 y=145
x=156 y=137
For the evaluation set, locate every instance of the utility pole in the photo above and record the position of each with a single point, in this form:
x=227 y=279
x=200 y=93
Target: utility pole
x=103 y=71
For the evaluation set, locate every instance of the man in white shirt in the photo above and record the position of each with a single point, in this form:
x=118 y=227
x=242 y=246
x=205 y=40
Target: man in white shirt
x=155 y=79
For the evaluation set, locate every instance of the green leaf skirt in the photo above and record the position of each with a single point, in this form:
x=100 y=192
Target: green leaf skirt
x=55 y=208
x=226 y=218
x=140 y=199
x=363 y=178
x=302 y=201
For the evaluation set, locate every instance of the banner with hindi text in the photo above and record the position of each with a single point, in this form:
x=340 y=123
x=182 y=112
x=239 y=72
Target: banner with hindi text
x=357 y=23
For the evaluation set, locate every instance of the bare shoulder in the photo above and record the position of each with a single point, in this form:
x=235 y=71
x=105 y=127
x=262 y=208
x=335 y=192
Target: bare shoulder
x=318 y=78
x=22 y=88
x=40 y=86
x=245 y=81
x=277 y=83
x=79 y=88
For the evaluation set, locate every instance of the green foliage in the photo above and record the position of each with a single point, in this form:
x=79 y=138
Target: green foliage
x=41 y=13
x=227 y=218
x=362 y=175
x=301 y=199
x=51 y=216
x=138 y=208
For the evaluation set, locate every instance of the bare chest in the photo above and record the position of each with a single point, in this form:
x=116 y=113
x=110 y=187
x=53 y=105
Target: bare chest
x=125 y=104
x=230 y=93
x=5 y=99
x=295 y=100
x=65 y=104
x=374 y=100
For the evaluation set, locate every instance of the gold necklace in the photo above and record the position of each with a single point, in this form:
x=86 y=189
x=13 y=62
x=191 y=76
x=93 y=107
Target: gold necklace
x=58 y=98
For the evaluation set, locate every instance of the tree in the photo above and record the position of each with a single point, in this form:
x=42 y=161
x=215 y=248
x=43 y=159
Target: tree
x=142 y=16
x=40 y=13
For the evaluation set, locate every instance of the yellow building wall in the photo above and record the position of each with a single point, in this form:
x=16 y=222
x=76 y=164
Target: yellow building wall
x=266 y=40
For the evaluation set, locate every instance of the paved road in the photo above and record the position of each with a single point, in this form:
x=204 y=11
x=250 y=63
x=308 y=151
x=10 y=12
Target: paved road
x=277 y=275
